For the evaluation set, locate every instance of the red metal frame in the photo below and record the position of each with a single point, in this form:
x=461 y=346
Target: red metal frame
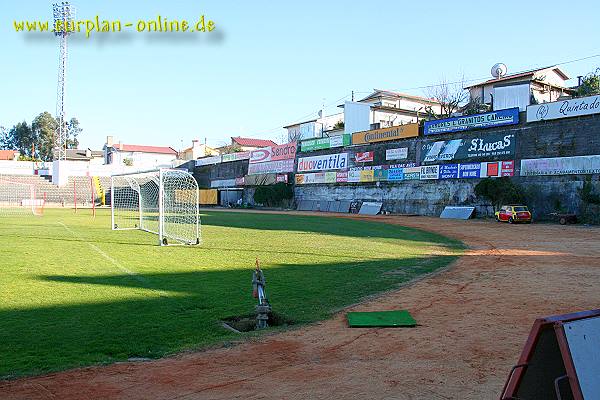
x=557 y=321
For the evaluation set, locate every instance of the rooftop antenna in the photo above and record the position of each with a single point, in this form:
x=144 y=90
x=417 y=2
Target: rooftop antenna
x=64 y=14
x=499 y=70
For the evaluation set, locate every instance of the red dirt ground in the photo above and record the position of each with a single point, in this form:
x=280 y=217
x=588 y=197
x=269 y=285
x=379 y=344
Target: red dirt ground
x=473 y=321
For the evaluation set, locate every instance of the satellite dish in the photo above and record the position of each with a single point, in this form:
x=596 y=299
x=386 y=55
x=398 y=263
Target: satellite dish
x=499 y=70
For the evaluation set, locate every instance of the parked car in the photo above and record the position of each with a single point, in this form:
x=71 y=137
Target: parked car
x=513 y=213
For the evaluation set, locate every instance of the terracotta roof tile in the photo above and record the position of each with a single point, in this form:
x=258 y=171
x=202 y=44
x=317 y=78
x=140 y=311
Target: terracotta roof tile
x=145 y=149
x=250 y=142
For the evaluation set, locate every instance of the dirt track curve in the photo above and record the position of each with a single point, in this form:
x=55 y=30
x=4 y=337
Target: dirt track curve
x=474 y=319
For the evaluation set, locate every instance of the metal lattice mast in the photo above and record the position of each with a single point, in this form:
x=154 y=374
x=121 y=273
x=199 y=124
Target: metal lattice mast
x=63 y=14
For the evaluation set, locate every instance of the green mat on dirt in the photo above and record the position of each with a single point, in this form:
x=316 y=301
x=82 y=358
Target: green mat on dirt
x=397 y=318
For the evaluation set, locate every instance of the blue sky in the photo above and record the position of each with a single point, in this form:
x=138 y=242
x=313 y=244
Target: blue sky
x=269 y=64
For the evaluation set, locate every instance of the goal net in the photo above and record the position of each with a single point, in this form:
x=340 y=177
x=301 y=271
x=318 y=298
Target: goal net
x=163 y=202
x=18 y=196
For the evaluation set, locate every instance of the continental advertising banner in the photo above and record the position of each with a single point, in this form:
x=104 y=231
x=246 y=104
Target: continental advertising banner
x=564 y=109
x=583 y=165
x=382 y=135
x=271 y=167
x=495 y=145
x=323 y=163
x=325 y=143
x=510 y=116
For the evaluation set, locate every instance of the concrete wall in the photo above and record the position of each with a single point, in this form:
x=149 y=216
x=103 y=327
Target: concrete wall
x=545 y=194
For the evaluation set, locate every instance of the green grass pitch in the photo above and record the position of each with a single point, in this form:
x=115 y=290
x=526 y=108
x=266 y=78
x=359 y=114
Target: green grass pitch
x=75 y=293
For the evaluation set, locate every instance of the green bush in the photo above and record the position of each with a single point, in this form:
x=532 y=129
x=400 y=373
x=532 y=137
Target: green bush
x=273 y=195
x=500 y=191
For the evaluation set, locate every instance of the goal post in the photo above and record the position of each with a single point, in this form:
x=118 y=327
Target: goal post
x=163 y=201
x=19 y=196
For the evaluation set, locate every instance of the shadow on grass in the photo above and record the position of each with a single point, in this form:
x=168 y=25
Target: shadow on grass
x=147 y=322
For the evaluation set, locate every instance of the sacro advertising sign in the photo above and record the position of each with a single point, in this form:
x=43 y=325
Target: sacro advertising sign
x=510 y=116
x=485 y=146
x=271 y=167
x=561 y=166
x=564 y=109
x=323 y=163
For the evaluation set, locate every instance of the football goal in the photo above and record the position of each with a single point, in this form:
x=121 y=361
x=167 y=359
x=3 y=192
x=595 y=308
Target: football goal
x=18 y=196
x=163 y=202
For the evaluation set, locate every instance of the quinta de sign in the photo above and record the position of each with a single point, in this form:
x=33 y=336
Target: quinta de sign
x=564 y=109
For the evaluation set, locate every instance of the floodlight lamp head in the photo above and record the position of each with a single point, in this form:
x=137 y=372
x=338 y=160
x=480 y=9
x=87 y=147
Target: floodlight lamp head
x=63 y=12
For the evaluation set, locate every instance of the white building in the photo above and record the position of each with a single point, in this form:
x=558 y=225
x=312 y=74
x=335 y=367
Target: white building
x=540 y=85
x=197 y=150
x=387 y=109
x=138 y=156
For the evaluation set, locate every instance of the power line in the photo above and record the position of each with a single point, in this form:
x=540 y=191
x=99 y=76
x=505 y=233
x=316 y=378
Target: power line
x=462 y=81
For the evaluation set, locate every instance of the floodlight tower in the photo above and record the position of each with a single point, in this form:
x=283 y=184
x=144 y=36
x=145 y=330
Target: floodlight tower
x=64 y=13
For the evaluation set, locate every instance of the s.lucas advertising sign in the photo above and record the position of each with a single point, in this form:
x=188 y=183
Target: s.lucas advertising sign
x=564 y=109
x=323 y=163
x=510 y=116
x=485 y=146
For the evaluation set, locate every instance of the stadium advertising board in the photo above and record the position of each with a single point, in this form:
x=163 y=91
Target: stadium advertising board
x=322 y=163
x=561 y=166
x=381 y=135
x=271 y=167
x=449 y=171
x=395 y=174
x=469 y=170
x=510 y=116
x=430 y=172
x=396 y=154
x=412 y=173
x=354 y=176
x=208 y=161
x=223 y=183
x=495 y=145
x=239 y=181
x=366 y=156
x=281 y=178
x=325 y=143
x=564 y=109
x=241 y=155
x=273 y=153
x=341 y=177
x=380 y=174
x=366 y=176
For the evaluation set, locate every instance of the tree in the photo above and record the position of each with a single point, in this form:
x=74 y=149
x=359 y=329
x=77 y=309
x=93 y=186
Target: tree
x=44 y=128
x=499 y=191
x=5 y=139
x=22 y=138
x=450 y=95
x=230 y=148
x=590 y=84
x=73 y=131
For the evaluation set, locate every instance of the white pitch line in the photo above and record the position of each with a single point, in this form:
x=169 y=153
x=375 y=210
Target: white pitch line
x=113 y=261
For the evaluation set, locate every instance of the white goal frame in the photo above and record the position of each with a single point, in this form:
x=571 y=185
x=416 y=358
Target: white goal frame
x=19 y=197
x=160 y=201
